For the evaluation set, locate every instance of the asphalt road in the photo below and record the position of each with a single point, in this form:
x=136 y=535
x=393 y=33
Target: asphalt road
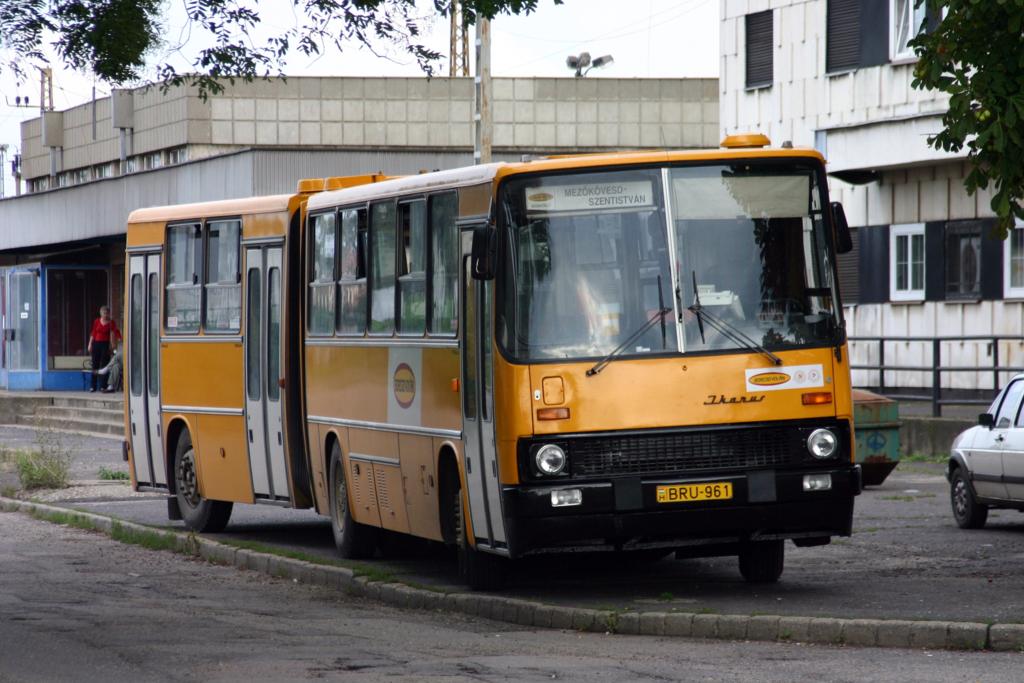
x=906 y=560
x=77 y=606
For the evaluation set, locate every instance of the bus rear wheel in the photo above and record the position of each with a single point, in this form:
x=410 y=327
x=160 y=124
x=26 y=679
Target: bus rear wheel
x=198 y=513
x=762 y=561
x=478 y=570
x=353 y=540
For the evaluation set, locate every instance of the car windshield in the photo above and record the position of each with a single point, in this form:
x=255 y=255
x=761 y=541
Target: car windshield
x=589 y=258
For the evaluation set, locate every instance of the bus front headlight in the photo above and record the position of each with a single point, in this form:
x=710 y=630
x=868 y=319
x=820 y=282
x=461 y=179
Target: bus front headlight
x=822 y=443
x=550 y=459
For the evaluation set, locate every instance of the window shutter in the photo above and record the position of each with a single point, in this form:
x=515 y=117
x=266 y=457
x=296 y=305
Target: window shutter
x=847 y=265
x=991 y=260
x=759 y=49
x=874 y=32
x=873 y=264
x=842 y=49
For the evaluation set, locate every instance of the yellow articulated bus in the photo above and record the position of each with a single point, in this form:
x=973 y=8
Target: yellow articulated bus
x=203 y=419
x=635 y=351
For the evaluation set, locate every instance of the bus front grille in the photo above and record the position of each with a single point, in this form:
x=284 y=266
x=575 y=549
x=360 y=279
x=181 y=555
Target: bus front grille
x=691 y=451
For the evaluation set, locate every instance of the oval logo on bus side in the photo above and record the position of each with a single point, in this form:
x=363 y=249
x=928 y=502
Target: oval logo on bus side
x=541 y=197
x=404 y=384
x=769 y=379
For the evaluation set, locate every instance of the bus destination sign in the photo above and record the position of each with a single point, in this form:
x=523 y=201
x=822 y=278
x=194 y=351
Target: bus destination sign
x=590 y=196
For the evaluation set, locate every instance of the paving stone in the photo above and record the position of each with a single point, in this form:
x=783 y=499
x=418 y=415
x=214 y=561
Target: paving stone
x=1005 y=637
x=860 y=632
x=705 y=626
x=561 y=617
x=679 y=625
x=732 y=626
x=583 y=619
x=796 y=629
x=823 y=630
x=967 y=636
x=763 y=627
x=628 y=623
x=652 y=623
x=895 y=633
x=931 y=634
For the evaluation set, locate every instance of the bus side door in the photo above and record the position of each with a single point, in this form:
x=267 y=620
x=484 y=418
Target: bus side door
x=143 y=370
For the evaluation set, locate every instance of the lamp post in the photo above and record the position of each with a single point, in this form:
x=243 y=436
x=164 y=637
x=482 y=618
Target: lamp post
x=582 y=63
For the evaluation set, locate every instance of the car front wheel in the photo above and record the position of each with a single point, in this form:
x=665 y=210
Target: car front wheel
x=967 y=511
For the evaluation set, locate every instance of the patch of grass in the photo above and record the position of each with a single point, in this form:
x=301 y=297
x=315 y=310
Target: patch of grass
x=153 y=540
x=925 y=457
x=255 y=546
x=705 y=610
x=39 y=469
x=113 y=475
x=8 y=491
x=666 y=597
x=611 y=622
x=64 y=519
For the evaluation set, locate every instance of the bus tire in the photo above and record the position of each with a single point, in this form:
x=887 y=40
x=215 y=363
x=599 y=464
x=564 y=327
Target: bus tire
x=762 y=561
x=198 y=513
x=478 y=570
x=353 y=540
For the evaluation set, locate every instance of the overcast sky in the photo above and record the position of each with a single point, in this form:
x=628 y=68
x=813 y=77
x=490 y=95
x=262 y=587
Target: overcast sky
x=647 y=38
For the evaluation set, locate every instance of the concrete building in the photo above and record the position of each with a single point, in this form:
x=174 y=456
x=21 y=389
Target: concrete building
x=836 y=75
x=85 y=169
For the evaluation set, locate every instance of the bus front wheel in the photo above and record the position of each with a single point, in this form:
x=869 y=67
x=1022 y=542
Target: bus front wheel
x=478 y=570
x=353 y=540
x=762 y=561
x=198 y=513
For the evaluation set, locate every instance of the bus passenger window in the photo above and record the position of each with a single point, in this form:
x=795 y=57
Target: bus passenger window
x=382 y=264
x=135 y=335
x=321 y=284
x=352 y=280
x=412 y=264
x=223 y=289
x=444 y=264
x=184 y=258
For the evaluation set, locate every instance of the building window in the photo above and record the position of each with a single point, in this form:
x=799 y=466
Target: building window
x=1013 y=263
x=963 y=260
x=152 y=160
x=906 y=20
x=759 y=49
x=382 y=268
x=906 y=268
x=412 y=267
x=177 y=155
x=444 y=264
x=184 y=258
x=223 y=277
x=321 y=281
x=352 y=275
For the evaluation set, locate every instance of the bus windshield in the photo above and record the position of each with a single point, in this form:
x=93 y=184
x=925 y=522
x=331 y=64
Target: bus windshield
x=590 y=258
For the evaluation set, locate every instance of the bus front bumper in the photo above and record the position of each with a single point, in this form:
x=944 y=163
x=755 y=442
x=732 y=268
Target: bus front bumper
x=624 y=513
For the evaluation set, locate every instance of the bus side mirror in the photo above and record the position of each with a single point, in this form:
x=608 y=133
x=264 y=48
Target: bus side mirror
x=844 y=243
x=987 y=420
x=484 y=242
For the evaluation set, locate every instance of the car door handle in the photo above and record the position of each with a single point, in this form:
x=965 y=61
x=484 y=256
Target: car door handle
x=1000 y=438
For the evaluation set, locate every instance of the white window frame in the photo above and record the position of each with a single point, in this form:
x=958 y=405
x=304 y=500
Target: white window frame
x=908 y=230
x=1009 y=291
x=901 y=54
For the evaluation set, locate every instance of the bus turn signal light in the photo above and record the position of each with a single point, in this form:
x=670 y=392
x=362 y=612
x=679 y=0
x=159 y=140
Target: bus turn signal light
x=552 y=413
x=816 y=398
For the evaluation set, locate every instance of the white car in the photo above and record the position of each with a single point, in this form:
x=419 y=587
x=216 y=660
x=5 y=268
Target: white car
x=986 y=462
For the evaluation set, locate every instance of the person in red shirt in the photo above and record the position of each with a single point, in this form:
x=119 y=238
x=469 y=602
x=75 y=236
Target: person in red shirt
x=104 y=334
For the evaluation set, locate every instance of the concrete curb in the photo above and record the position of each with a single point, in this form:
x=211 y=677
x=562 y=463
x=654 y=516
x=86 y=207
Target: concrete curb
x=832 y=631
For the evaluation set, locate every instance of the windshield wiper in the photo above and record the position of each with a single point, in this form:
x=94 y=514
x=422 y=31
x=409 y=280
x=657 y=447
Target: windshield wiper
x=727 y=330
x=599 y=365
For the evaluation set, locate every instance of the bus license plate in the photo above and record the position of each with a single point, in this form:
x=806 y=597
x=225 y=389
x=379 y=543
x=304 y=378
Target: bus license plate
x=688 y=493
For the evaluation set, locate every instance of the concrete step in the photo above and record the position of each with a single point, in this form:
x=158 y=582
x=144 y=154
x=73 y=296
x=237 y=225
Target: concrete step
x=104 y=414
x=65 y=424
x=98 y=400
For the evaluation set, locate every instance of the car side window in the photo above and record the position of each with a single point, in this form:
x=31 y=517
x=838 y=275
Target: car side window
x=1011 y=402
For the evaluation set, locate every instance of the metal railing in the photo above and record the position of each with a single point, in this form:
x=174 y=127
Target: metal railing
x=936 y=369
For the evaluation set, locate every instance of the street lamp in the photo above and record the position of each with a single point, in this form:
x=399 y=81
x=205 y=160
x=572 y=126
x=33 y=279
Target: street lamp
x=582 y=63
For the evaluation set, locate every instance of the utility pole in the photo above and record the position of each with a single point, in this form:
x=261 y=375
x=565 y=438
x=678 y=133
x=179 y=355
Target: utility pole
x=458 y=53
x=482 y=116
x=3 y=162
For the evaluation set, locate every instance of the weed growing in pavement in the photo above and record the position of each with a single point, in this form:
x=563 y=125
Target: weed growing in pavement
x=8 y=491
x=666 y=597
x=925 y=457
x=64 y=519
x=113 y=475
x=152 y=540
x=48 y=465
x=280 y=552
x=611 y=621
